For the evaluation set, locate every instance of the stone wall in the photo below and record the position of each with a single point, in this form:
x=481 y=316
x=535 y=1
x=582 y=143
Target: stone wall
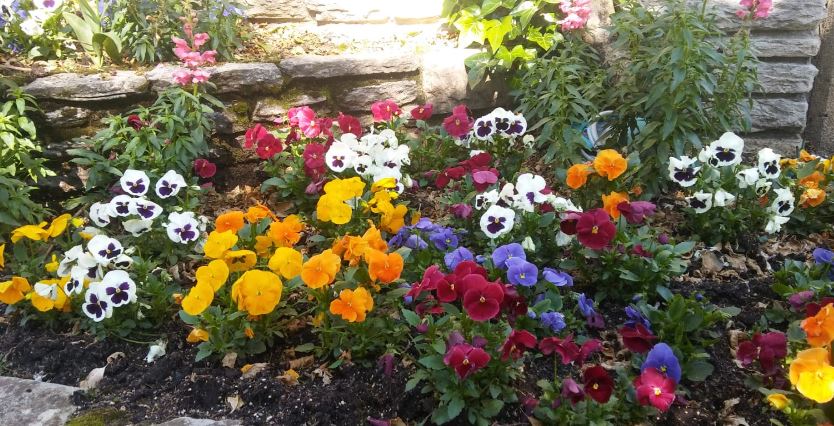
x=74 y=103
x=820 y=131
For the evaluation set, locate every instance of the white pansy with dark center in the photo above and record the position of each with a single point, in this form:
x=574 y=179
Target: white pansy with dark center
x=104 y=249
x=562 y=204
x=727 y=149
x=747 y=177
x=135 y=182
x=683 y=171
x=88 y=266
x=75 y=283
x=700 y=201
x=497 y=221
x=339 y=157
x=769 y=163
x=170 y=184
x=775 y=222
x=530 y=187
x=486 y=199
x=123 y=262
x=707 y=156
x=100 y=214
x=507 y=195
x=121 y=206
x=137 y=227
x=95 y=306
x=485 y=128
x=117 y=288
x=763 y=187
x=49 y=291
x=145 y=209
x=722 y=198
x=518 y=126
x=784 y=202
x=182 y=228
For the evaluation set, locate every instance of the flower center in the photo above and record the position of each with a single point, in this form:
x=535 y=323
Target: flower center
x=483 y=299
x=595 y=386
x=521 y=275
x=657 y=391
x=465 y=361
x=595 y=229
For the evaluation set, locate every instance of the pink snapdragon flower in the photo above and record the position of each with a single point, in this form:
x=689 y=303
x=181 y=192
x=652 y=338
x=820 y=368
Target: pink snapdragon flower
x=576 y=13
x=759 y=9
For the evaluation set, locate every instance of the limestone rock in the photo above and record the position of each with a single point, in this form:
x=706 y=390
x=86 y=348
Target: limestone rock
x=317 y=67
x=779 y=113
x=86 y=88
x=267 y=109
x=788 y=44
x=786 y=77
x=30 y=402
x=418 y=12
x=230 y=77
x=444 y=78
x=351 y=12
x=361 y=98
x=785 y=15
x=277 y=10
x=785 y=144
x=68 y=116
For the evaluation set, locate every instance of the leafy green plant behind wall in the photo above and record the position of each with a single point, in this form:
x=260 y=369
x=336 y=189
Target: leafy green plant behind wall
x=90 y=34
x=513 y=31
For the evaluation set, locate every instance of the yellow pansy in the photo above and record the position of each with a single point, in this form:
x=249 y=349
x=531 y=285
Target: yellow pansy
x=287 y=262
x=59 y=225
x=14 y=291
x=384 y=183
x=197 y=335
x=2 y=256
x=394 y=219
x=778 y=400
x=218 y=243
x=812 y=374
x=214 y=274
x=53 y=265
x=77 y=222
x=240 y=260
x=199 y=298
x=257 y=292
x=331 y=208
x=263 y=245
x=49 y=295
x=32 y=232
x=345 y=189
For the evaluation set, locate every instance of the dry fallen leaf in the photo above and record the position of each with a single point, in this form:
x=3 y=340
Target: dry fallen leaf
x=229 y=359
x=711 y=262
x=324 y=373
x=252 y=370
x=92 y=379
x=235 y=402
x=298 y=363
x=290 y=377
x=115 y=356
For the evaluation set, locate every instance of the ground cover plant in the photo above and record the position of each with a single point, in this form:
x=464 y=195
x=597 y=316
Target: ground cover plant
x=426 y=268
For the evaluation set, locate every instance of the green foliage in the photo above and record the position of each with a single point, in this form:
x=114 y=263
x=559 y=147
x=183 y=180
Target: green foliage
x=678 y=73
x=170 y=134
x=558 y=92
x=796 y=276
x=515 y=32
x=90 y=34
x=146 y=26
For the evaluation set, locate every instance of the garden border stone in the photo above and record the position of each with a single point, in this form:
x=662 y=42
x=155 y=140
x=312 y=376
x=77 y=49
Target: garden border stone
x=35 y=403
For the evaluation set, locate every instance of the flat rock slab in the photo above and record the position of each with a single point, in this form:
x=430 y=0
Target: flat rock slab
x=348 y=65
x=189 y=421
x=33 y=403
x=784 y=78
x=230 y=77
x=75 y=87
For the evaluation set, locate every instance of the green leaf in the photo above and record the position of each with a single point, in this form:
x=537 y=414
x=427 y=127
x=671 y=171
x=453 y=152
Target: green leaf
x=108 y=43
x=432 y=362
x=489 y=6
x=664 y=292
x=492 y=407
x=411 y=318
x=698 y=370
x=455 y=407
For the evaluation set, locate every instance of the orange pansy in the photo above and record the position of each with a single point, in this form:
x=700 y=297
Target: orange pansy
x=610 y=164
x=384 y=267
x=287 y=232
x=352 y=305
x=321 y=269
x=611 y=201
x=231 y=221
x=578 y=175
x=812 y=197
x=820 y=327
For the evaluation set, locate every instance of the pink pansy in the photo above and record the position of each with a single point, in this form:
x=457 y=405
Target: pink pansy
x=385 y=110
x=204 y=168
x=300 y=114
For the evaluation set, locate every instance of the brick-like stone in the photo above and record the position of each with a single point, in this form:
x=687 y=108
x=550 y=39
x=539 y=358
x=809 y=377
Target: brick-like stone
x=267 y=109
x=88 y=88
x=230 y=77
x=785 y=15
x=277 y=10
x=361 y=98
x=349 y=12
x=318 y=67
x=784 y=78
x=778 y=113
x=787 y=44
x=30 y=402
x=785 y=144
x=68 y=116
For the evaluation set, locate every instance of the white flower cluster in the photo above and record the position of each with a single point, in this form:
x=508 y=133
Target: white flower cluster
x=137 y=213
x=498 y=124
x=726 y=152
x=34 y=17
x=523 y=196
x=374 y=157
x=100 y=268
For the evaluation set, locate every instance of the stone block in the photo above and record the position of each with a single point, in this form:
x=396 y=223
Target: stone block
x=417 y=12
x=267 y=109
x=277 y=10
x=778 y=113
x=784 y=78
x=785 y=15
x=88 y=88
x=444 y=78
x=787 y=44
x=784 y=144
x=190 y=421
x=67 y=116
x=230 y=77
x=361 y=98
x=318 y=67
x=30 y=402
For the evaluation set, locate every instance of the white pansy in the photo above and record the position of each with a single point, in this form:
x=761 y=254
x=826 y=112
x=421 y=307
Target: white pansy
x=727 y=149
x=486 y=199
x=170 y=184
x=70 y=257
x=484 y=128
x=339 y=157
x=95 y=306
x=137 y=227
x=528 y=244
x=182 y=228
x=530 y=187
x=104 y=249
x=683 y=171
x=120 y=206
x=100 y=214
x=135 y=182
x=747 y=177
x=700 y=201
x=784 y=202
x=145 y=209
x=775 y=222
x=117 y=288
x=722 y=198
x=497 y=221
x=763 y=186
x=563 y=239
x=769 y=163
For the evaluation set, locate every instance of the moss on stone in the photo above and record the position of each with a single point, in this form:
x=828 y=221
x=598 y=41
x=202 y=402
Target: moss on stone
x=100 y=417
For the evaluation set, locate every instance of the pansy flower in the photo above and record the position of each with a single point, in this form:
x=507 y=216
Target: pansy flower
x=554 y=321
x=95 y=306
x=104 y=249
x=497 y=221
x=457 y=256
x=700 y=201
x=598 y=384
x=486 y=199
x=484 y=178
x=100 y=214
x=204 y=168
x=571 y=391
x=120 y=206
x=145 y=209
x=530 y=187
x=775 y=222
x=557 y=278
x=485 y=128
x=747 y=177
x=655 y=389
x=768 y=163
x=385 y=110
x=459 y=123
x=444 y=239
x=502 y=254
x=482 y=300
x=594 y=229
x=169 y=184
x=812 y=374
x=257 y=292
x=240 y=260
x=422 y=112
x=726 y=151
x=784 y=203
x=636 y=212
x=349 y=124
x=683 y=171
x=339 y=157
x=522 y=272
x=637 y=338
x=14 y=290
x=663 y=359
x=137 y=227
x=182 y=228
x=610 y=164
x=722 y=198
x=352 y=305
x=515 y=345
x=117 y=288
x=466 y=359
x=135 y=182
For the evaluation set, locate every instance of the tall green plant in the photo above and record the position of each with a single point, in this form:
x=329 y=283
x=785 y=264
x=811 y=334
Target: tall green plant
x=90 y=34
